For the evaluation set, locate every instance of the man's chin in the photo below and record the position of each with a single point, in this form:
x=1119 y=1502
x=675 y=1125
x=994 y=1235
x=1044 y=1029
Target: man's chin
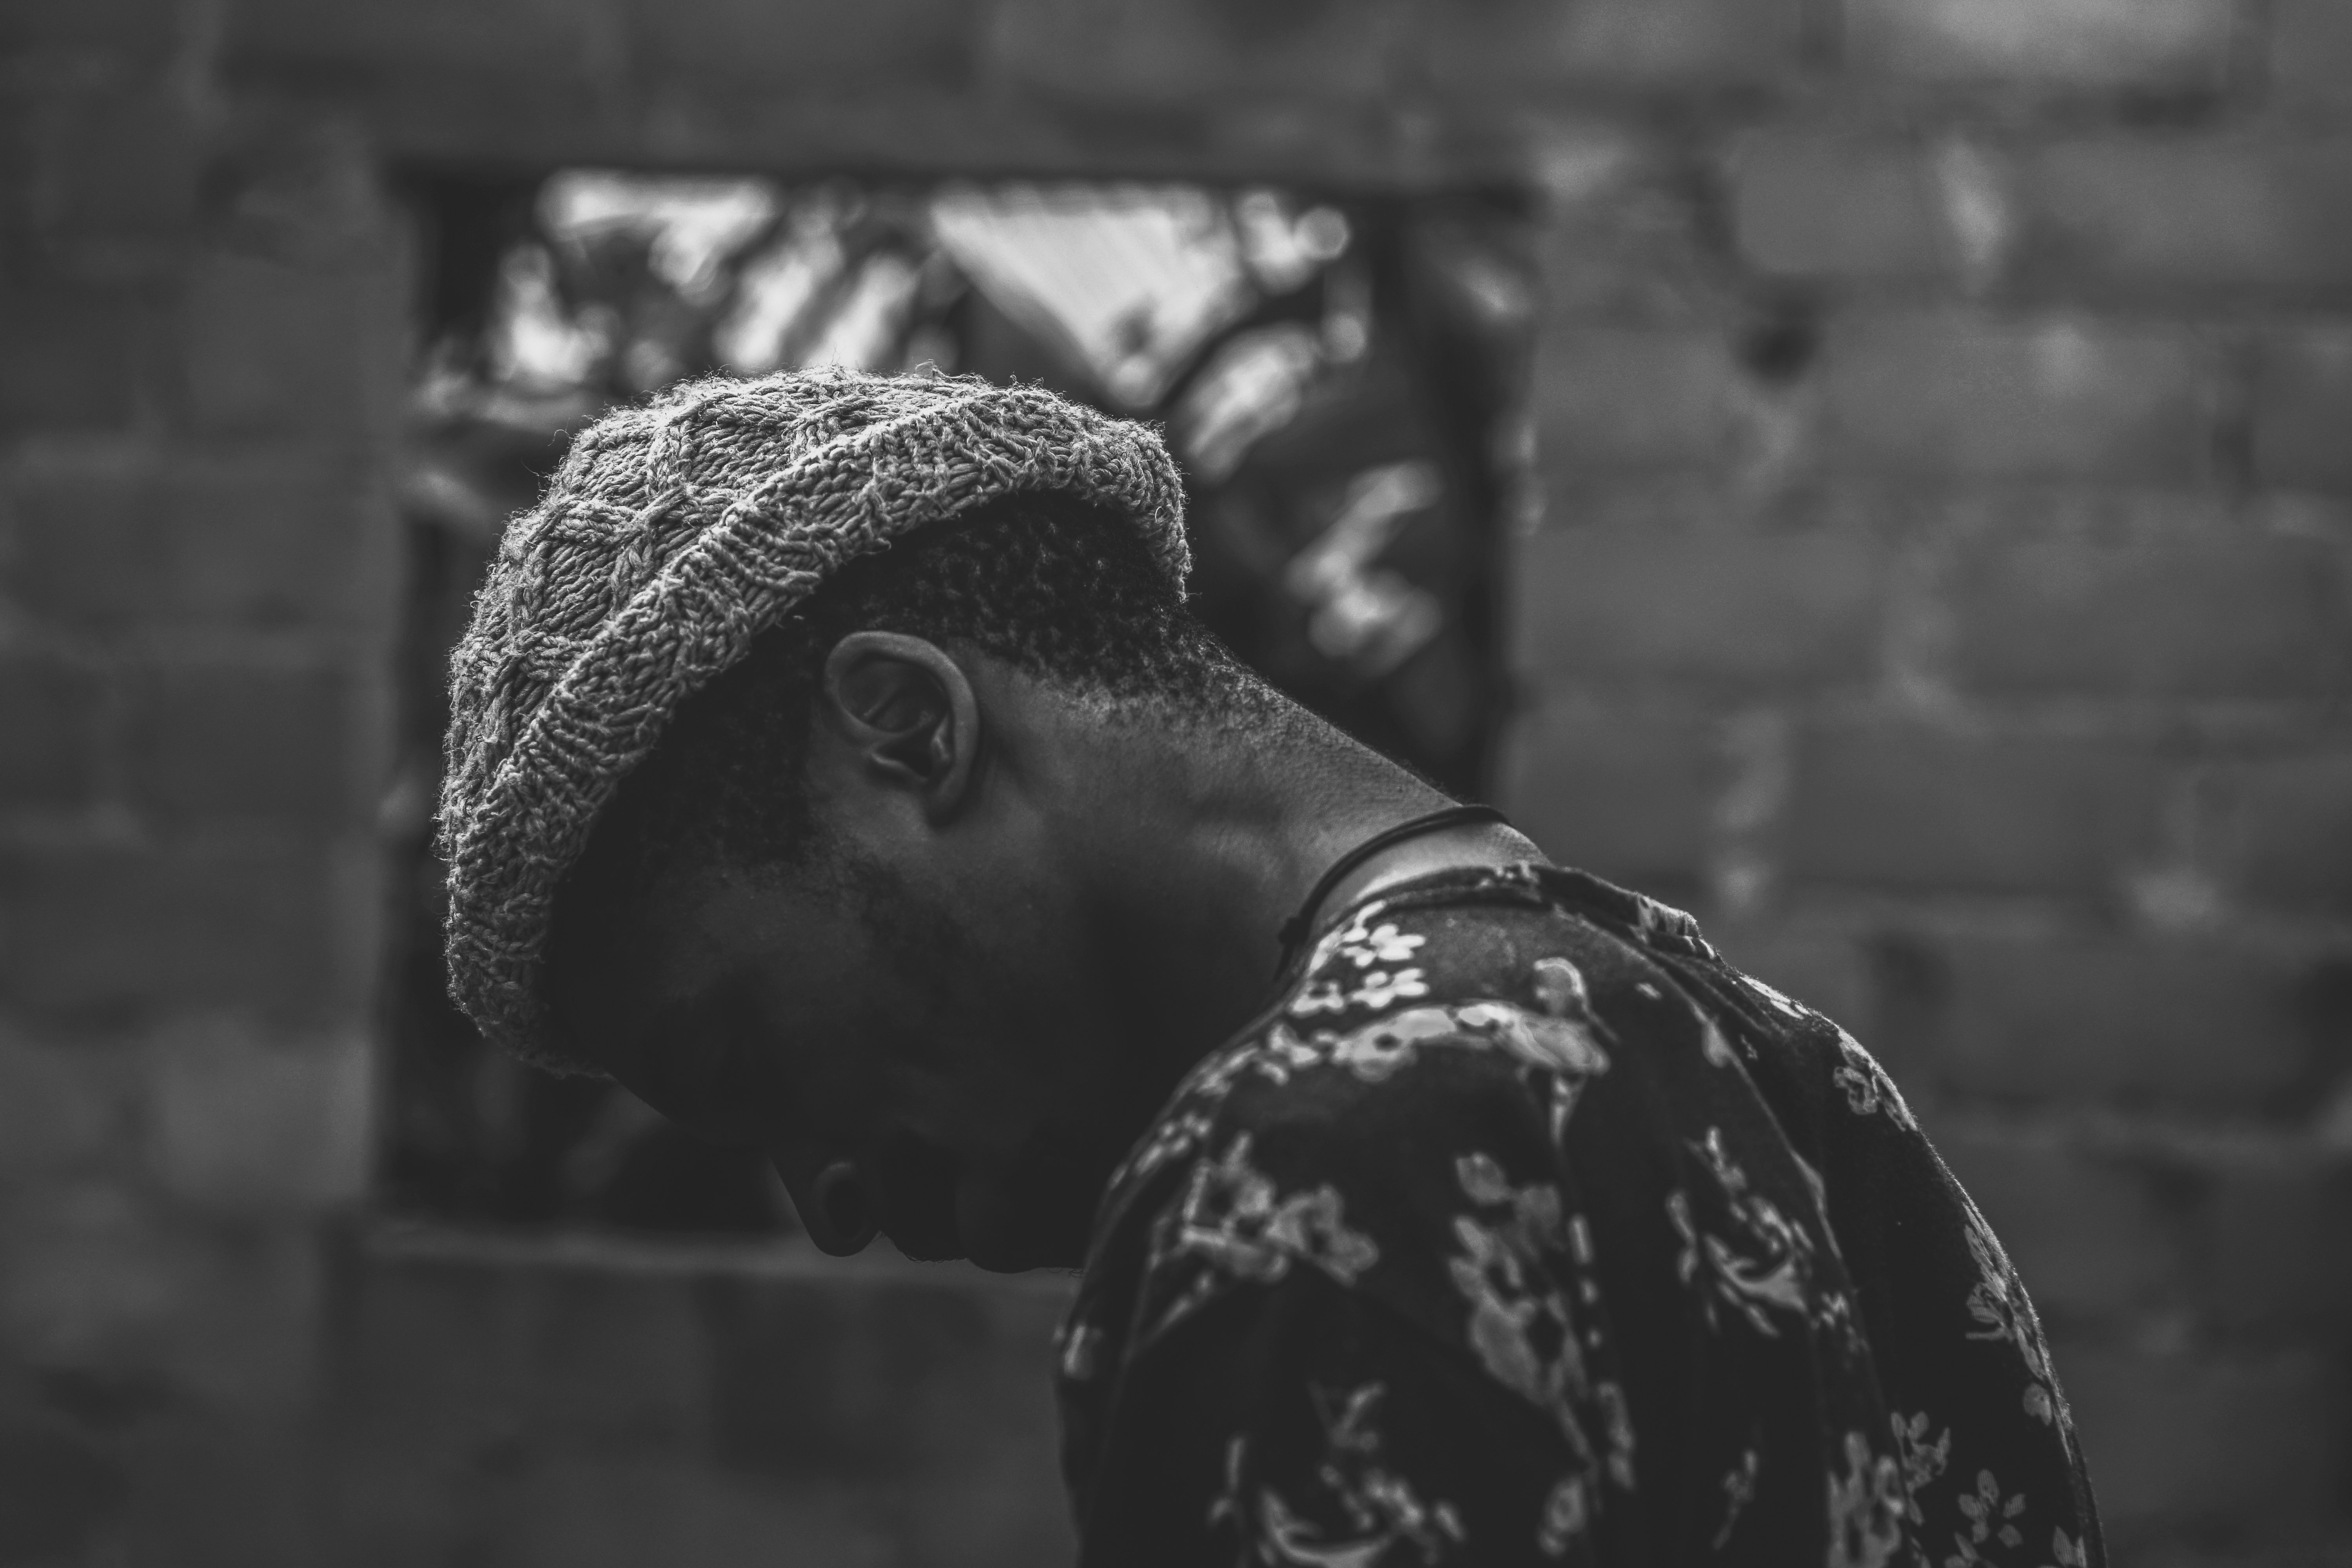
x=1023 y=1256
x=927 y=1248
x=997 y=1250
x=1004 y=1238
x=1035 y=1212
x=1003 y=1260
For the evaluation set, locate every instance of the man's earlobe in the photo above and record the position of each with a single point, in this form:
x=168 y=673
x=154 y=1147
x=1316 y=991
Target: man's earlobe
x=908 y=708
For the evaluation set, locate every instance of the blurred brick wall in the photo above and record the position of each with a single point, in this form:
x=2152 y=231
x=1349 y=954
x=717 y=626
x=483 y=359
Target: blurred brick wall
x=200 y=340
x=1943 y=584
x=1942 y=410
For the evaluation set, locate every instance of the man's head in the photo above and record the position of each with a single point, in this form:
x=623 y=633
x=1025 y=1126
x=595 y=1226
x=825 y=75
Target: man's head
x=832 y=912
x=819 y=892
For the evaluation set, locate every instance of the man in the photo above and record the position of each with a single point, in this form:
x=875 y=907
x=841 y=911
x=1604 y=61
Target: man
x=834 y=763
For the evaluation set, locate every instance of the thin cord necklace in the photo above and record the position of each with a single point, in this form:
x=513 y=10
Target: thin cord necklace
x=1296 y=930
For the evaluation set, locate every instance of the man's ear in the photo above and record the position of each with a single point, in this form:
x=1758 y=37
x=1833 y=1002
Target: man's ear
x=908 y=709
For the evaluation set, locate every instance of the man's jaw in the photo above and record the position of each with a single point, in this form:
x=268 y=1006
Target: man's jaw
x=1039 y=1212
x=1032 y=1210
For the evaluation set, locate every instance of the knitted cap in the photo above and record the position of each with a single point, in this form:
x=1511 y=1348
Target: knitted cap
x=671 y=535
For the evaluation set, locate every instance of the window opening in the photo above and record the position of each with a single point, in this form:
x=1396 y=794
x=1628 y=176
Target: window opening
x=1337 y=376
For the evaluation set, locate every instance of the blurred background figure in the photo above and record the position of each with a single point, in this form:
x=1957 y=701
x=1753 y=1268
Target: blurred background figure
x=1873 y=472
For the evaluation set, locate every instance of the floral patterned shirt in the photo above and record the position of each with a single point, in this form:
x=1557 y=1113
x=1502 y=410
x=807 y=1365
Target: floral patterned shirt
x=1523 y=1229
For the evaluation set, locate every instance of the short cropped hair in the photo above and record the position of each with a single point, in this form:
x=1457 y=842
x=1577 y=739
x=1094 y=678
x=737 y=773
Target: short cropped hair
x=1042 y=581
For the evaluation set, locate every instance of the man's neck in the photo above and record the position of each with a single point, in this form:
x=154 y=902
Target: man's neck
x=1201 y=846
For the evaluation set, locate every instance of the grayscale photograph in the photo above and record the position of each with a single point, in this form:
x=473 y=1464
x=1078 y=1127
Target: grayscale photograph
x=1175 y=783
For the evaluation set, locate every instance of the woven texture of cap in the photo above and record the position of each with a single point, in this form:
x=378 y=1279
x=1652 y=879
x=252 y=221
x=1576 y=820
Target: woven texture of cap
x=671 y=535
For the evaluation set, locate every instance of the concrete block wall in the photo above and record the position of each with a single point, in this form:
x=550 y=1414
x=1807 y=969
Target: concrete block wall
x=201 y=312
x=1942 y=585
x=614 y=1404
x=1940 y=410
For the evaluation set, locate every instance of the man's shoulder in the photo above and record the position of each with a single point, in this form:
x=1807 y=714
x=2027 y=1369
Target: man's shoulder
x=1491 y=998
x=1496 y=999
x=1406 y=1116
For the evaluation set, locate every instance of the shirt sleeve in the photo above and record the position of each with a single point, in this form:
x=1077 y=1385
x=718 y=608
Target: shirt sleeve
x=1303 y=1423
x=1992 y=1470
